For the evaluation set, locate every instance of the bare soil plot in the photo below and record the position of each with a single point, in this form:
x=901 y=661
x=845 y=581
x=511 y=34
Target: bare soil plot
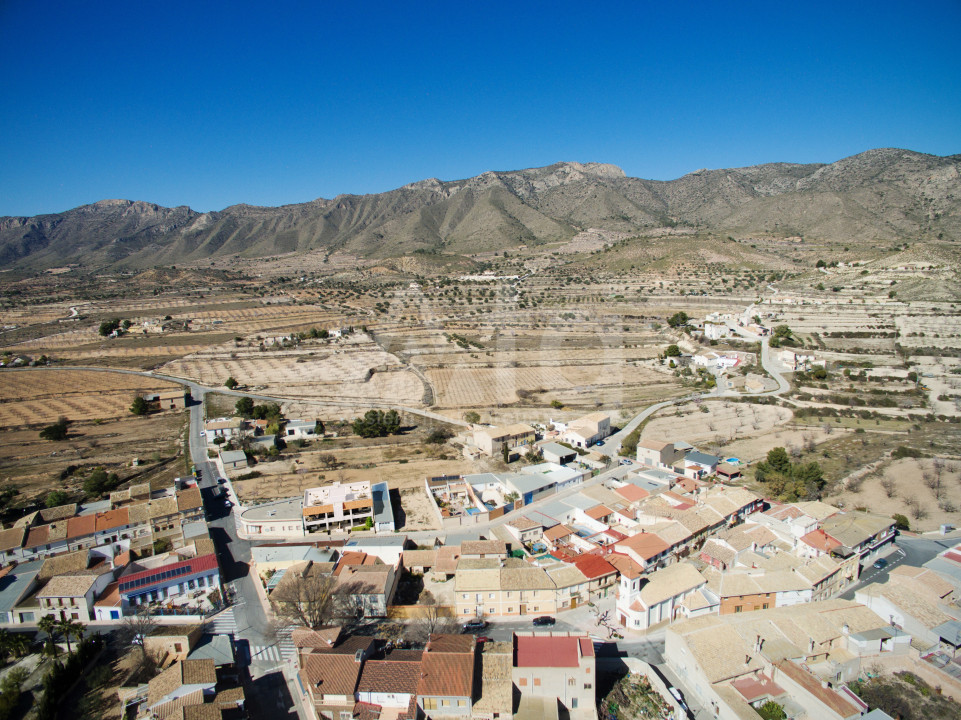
x=36 y=397
x=911 y=481
x=722 y=422
x=38 y=466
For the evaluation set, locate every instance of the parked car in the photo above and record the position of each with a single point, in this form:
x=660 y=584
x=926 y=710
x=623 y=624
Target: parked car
x=880 y=563
x=228 y=504
x=544 y=620
x=484 y=639
x=473 y=625
x=625 y=461
x=221 y=481
x=677 y=696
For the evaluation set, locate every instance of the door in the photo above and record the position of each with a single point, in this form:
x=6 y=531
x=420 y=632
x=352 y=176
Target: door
x=523 y=609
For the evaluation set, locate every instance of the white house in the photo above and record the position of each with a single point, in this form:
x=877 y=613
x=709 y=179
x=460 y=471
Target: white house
x=661 y=597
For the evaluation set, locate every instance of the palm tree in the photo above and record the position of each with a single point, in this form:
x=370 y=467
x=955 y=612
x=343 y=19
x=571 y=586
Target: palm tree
x=70 y=628
x=50 y=625
x=19 y=644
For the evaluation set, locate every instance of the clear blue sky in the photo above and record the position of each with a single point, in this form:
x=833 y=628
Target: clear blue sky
x=209 y=104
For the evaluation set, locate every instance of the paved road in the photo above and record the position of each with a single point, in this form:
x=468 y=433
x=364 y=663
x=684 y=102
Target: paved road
x=914 y=551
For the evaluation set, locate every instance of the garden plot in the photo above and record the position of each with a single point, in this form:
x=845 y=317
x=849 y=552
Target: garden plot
x=42 y=396
x=722 y=423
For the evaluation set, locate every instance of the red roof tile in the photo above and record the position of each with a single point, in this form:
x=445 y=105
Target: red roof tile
x=593 y=566
x=81 y=525
x=820 y=540
x=112 y=519
x=632 y=493
x=547 y=651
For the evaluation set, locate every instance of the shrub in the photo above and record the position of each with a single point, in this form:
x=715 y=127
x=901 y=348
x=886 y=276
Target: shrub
x=57 y=431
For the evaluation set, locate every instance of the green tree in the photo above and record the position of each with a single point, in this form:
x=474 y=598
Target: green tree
x=267 y=411
x=70 y=628
x=230 y=383
x=778 y=460
x=50 y=626
x=319 y=428
x=506 y=453
x=672 y=351
x=678 y=319
x=557 y=404
x=472 y=417
x=108 y=326
x=57 y=431
x=98 y=482
x=55 y=498
x=901 y=522
x=772 y=711
x=245 y=407
x=140 y=406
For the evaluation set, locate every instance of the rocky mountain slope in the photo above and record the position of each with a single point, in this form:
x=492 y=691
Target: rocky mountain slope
x=883 y=196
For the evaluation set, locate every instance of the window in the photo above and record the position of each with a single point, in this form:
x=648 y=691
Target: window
x=430 y=703
x=537 y=682
x=346 y=715
x=738 y=608
x=466 y=596
x=570 y=682
x=587 y=686
x=461 y=703
x=178 y=647
x=573 y=703
x=445 y=703
x=765 y=606
x=490 y=596
x=587 y=671
x=523 y=682
x=466 y=610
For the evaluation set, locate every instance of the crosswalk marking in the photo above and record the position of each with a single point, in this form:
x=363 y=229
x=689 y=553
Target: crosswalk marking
x=283 y=649
x=224 y=624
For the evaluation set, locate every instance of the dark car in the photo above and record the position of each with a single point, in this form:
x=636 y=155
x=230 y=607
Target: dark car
x=880 y=563
x=474 y=625
x=544 y=620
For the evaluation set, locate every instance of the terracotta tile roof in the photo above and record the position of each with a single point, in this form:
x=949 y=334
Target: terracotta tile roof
x=446 y=674
x=632 y=493
x=37 y=536
x=60 y=512
x=331 y=673
x=304 y=637
x=205 y=711
x=81 y=526
x=550 y=651
x=594 y=566
x=110 y=597
x=68 y=586
x=598 y=511
x=812 y=685
x=646 y=545
x=390 y=676
x=139 y=513
x=188 y=500
x=419 y=558
x=446 y=643
x=447 y=557
x=183 y=672
x=27 y=520
x=60 y=564
x=350 y=646
x=557 y=532
x=625 y=565
x=820 y=540
x=12 y=538
x=112 y=519
x=482 y=547
x=162 y=507
x=204 y=546
x=524 y=523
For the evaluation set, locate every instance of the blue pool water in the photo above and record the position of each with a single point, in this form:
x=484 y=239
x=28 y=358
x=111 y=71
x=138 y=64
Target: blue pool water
x=472 y=511
x=733 y=461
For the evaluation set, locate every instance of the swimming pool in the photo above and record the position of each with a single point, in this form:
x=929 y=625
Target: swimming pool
x=733 y=461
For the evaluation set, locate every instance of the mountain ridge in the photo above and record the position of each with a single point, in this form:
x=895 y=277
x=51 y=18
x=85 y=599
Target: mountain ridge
x=885 y=194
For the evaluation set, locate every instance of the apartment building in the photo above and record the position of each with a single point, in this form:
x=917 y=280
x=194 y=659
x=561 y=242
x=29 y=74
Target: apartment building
x=551 y=668
x=337 y=506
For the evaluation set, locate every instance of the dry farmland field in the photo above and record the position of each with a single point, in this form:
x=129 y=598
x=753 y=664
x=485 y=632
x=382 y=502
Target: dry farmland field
x=40 y=397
